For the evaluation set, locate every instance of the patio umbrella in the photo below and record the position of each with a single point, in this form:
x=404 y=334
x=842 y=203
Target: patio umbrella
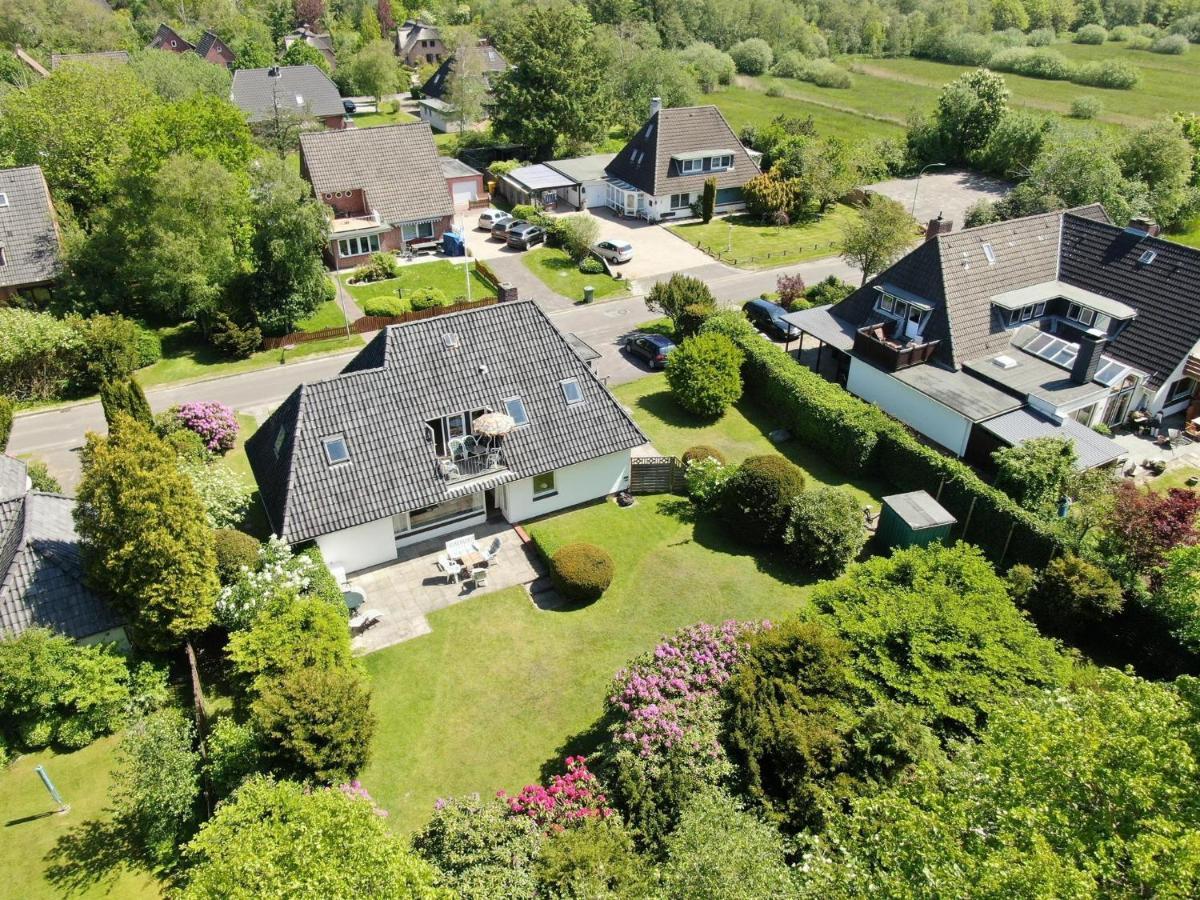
x=494 y=424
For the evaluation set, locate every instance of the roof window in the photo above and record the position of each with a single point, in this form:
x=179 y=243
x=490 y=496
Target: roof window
x=3 y=258
x=515 y=407
x=1148 y=257
x=336 y=450
x=572 y=392
x=450 y=340
x=990 y=254
x=3 y=199
x=280 y=437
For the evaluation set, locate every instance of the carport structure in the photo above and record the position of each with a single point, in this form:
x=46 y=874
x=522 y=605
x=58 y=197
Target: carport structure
x=590 y=187
x=538 y=184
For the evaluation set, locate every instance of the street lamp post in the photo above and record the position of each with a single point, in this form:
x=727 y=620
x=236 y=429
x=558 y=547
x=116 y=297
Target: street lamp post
x=918 y=187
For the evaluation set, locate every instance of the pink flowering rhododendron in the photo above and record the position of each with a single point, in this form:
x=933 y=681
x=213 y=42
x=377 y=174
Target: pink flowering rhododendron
x=356 y=791
x=659 y=698
x=568 y=799
x=214 y=422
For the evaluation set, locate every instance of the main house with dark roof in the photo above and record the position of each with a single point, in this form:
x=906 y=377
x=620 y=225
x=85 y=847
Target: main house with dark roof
x=1045 y=325
x=388 y=452
x=384 y=187
x=661 y=171
x=41 y=572
x=483 y=62
x=303 y=91
x=29 y=238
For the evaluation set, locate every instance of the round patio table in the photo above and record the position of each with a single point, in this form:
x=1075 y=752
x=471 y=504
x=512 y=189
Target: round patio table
x=354 y=599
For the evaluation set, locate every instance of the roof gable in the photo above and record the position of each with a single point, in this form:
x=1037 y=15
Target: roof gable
x=408 y=376
x=396 y=166
x=646 y=161
x=167 y=38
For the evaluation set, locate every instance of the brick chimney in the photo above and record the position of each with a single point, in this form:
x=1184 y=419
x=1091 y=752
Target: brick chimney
x=1146 y=226
x=655 y=105
x=1087 y=361
x=937 y=226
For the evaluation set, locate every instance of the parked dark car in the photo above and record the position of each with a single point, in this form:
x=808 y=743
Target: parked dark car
x=768 y=317
x=523 y=235
x=501 y=225
x=350 y=106
x=651 y=348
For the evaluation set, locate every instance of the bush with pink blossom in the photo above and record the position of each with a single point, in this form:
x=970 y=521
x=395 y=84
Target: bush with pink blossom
x=214 y=422
x=570 y=798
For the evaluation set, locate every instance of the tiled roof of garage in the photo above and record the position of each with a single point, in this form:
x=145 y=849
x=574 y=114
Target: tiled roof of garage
x=408 y=376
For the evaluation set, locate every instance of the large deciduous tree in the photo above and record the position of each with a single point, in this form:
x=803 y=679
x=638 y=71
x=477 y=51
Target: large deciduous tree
x=969 y=109
x=556 y=94
x=374 y=68
x=1035 y=473
x=1142 y=526
x=876 y=237
x=145 y=540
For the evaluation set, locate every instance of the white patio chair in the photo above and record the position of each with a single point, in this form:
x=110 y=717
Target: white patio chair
x=448 y=468
x=492 y=551
x=479 y=576
x=458 y=546
x=448 y=567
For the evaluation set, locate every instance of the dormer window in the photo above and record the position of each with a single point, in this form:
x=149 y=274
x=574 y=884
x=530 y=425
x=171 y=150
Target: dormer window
x=336 y=450
x=722 y=162
x=1081 y=314
x=687 y=166
x=572 y=392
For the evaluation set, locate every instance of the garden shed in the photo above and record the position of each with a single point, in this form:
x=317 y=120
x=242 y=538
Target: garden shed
x=913 y=520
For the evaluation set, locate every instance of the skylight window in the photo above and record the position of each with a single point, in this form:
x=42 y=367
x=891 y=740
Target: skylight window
x=515 y=407
x=450 y=340
x=990 y=254
x=3 y=200
x=336 y=450
x=572 y=392
x=1148 y=257
x=280 y=437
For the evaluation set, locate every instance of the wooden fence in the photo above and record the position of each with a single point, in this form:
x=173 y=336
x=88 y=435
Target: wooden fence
x=655 y=475
x=370 y=323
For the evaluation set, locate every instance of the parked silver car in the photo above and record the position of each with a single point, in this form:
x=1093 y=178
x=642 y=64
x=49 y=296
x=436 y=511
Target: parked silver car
x=490 y=216
x=614 y=251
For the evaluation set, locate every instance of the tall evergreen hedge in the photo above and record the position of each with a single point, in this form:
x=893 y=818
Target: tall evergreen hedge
x=6 y=421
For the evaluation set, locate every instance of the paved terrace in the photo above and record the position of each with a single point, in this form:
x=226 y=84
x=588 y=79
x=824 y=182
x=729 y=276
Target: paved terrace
x=407 y=590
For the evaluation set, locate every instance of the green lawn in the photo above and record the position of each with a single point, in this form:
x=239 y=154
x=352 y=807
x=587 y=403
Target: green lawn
x=1175 y=478
x=742 y=431
x=43 y=855
x=1189 y=234
x=187 y=356
x=751 y=106
x=558 y=272
x=371 y=120
x=328 y=315
x=500 y=687
x=446 y=276
x=750 y=244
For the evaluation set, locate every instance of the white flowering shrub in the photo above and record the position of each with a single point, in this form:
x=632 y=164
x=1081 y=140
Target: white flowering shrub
x=278 y=571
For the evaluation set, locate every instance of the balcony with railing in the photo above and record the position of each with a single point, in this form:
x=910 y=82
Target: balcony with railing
x=873 y=345
x=343 y=224
x=466 y=463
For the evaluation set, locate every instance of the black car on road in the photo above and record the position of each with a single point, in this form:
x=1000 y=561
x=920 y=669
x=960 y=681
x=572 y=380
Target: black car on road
x=768 y=318
x=523 y=235
x=653 y=349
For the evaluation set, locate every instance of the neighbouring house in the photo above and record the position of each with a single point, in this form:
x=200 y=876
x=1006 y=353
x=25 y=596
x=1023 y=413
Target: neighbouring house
x=209 y=48
x=1045 y=325
x=42 y=581
x=29 y=237
x=323 y=43
x=465 y=184
x=384 y=454
x=104 y=57
x=661 y=171
x=435 y=107
x=384 y=187
x=303 y=91
x=418 y=43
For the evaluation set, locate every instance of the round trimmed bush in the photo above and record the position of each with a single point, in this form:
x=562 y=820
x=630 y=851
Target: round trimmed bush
x=384 y=306
x=702 y=451
x=591 y=266
x=757 y=500
x=825 y=531
x=234 y=549
x=1086 y=107
x=581 y=572
x=1171 y=44
x=1091 y=34
x=752 y=56
x=427 y=298
x=705 y=374
x=1140 y=42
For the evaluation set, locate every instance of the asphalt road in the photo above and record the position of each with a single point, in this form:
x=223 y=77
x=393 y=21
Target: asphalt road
x=56 y=435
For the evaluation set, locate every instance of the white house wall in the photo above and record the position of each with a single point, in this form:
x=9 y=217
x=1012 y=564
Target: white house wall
x=937 y=422
x=359 y=547
x=574 y=484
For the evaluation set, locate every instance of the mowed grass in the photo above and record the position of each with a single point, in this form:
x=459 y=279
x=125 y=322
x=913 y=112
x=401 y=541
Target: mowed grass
x=742 y=431
x=447 y=277
x=555 y=269
x=500 y=688
x=328 y=315
x=743 y=106
x=373 y=120
x=44 y=855
x=750 y=244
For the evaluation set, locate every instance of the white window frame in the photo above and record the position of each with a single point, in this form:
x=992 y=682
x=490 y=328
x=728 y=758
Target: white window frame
x=686 y=202
x=334 y=440
x=3 y=199
x=691 y=166
x=721 y=163
x=3 y=258
x=416 y=229
x=1039 y=309
x=1174 y=395
x=358 y=246
x=1081 y=314
x=566 y=384
x=509 y=402
x=546 y=491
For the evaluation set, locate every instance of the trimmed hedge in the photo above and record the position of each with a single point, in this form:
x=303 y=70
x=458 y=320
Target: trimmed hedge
x=581 y=572
x=756 y=500
x=234 y=549
x=861 y=438
x=702 y=451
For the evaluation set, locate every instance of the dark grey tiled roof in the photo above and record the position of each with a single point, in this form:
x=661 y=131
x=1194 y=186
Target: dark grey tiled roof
x=1022 y=425
x=406 y=377
x=28 y=232
x=300 y=89
x=1166 y=293
x=206 y=42
x=395 y=165
x=105 y=56
x=486 y=60
x=645 y=161
x=41 y=572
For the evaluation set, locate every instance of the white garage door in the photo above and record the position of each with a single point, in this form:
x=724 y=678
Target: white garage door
x=464 y=192
x=597 y=193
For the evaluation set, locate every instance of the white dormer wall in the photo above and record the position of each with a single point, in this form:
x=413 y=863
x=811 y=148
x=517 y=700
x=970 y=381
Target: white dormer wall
x=1158 y=402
